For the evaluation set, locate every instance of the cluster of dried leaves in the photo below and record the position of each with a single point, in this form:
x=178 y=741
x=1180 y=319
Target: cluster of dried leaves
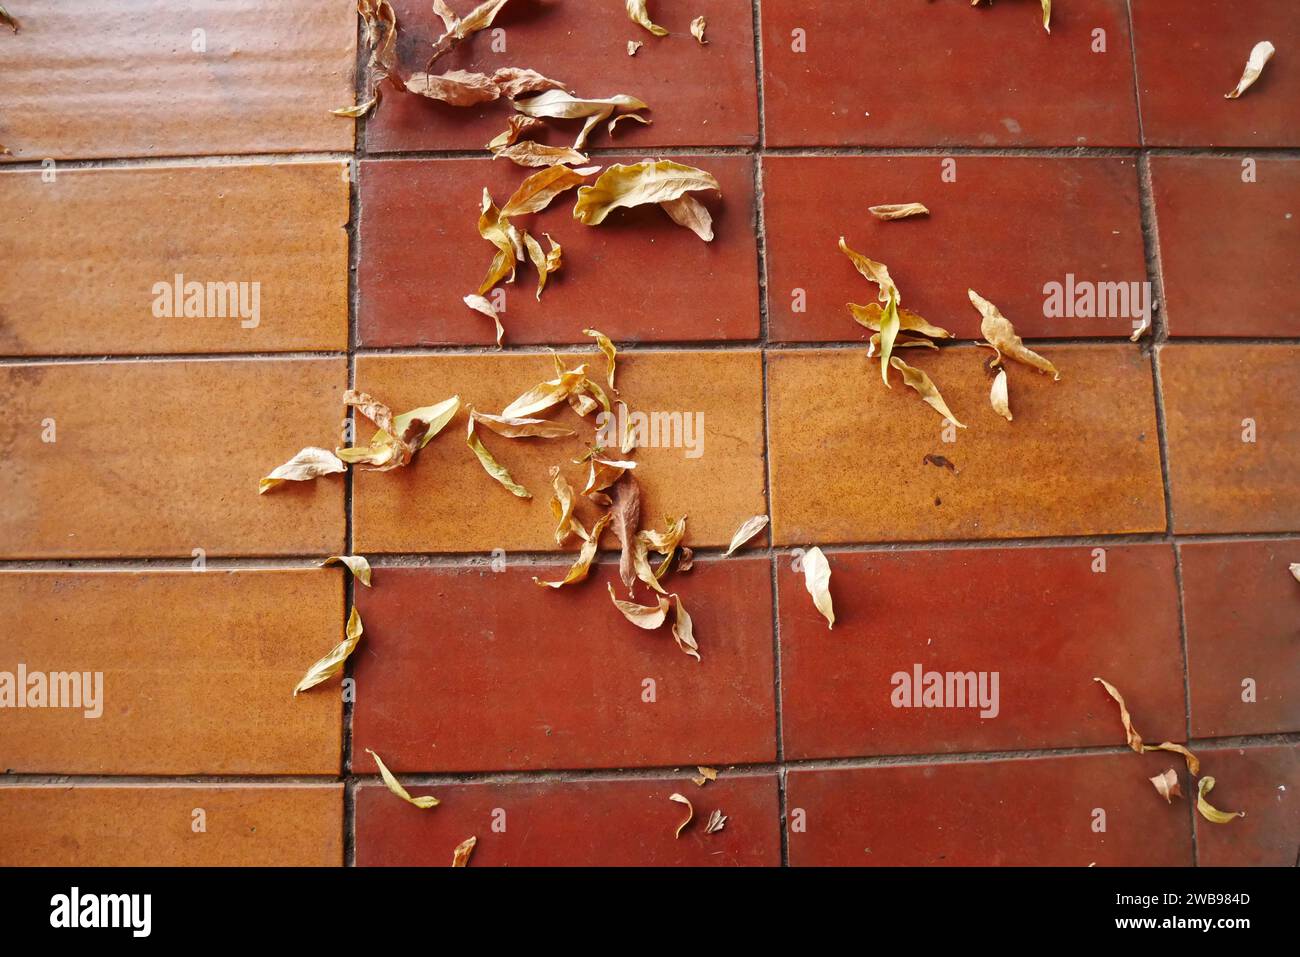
x=716 y=820
x=1166 y=784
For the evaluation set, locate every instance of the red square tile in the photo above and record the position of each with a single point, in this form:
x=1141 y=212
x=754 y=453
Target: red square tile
x=1024 y=210
x=1041 y=619
x=583 y=823
x=638 y=276
x=1242 y=607
x=1263 y=782
x=901 y=73
x=1027 y=812
x=1254 y=244
x=698 y=95
x=510 y=675
x=1187 y=59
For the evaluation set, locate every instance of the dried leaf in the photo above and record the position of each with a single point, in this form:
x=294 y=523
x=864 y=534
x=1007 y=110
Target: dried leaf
x=381 y=37
x=491 y=465
x=697 y=29
x=562 y=508
x=455 y=87
x=1208 y=811
x=604 y=473
x=612 y=125
x=1047 y=15
x=872 y=315
x=606 y=347
x=398 y=437
x=514 y=428
x=940 y=461
x=516 y=127
x=998 y=395
x=394 y=785
x=1193 y=763
x=873 y=345
x=497 y=231
x=622 y=186
x=1167 y=785
x=625 y=513
x=643 y=616
x=706 y=775
x=890 y=322
x=637 y=11
x=685 y=559
x=717 y=821
x=544 y=263
x=682 y=799
x=308 y=464
x=356 y=564
x=480 y=18
x=479 y=304
x=1001 y=335
x=513 y=82
x=633 y=46
x=449 y=18
x=536 y=192
x=817 y=579
x=558 y=104
x=528 y=153
x=1141 y=330
x=546 y=394
x=891 y=211
x=8 y=20
x=460 y=856
x=690 y=212
x=580 y=568
x=925 y=388
x=1260 y=54
x=418 y=426
x=748 y=530
x=1133 y=739
x=1295 y=570
x=684 y=629
x=332 y=663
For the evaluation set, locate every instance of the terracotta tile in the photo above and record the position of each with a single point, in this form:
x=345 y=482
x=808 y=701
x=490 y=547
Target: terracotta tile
x=847 y=452
x=1263 y=782
x=1254 y=245
x=1027 y=812
x=943 y=74
x=587 y=708
x=587 y=823
x=134 y=86
x=1001 y=199
x=1186 y=64
x=161 y=458
x=1214 y=396
x=461 y=509
x=169 y=647
x=1241 y=606
x=698 y=96
x=153 y=825
x=1040 y=618
x=422 y=253
x=150 y=224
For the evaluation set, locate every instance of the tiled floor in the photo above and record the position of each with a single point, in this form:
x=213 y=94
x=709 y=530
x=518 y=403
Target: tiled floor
x=1136 y=520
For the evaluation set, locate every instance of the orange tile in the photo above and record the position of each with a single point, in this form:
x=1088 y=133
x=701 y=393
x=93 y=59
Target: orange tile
x=1215 y=395
x=70 y=290
x=445 y=502
x=1082 y=456
x=133 y=85
x=161 y=458
x=152 y=825
x=196 y=671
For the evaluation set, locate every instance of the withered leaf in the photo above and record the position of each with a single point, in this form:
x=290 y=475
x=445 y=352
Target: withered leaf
x=562 y=508
x=688 y=211
x=623 y=186
x=381 y=38
x=455 y=87
x=998 y=397
x=578 y=571
x=748 y=529
x=873 y=314
x=332 y=663
x=1047 y=15
x=706 y=775
x=394 y=785
x=873 y=345
x=941 y=461
x=690 y=811
x=1193 y=763
x=665 y=543
x=536 y=191
x=633 y=46
x=1260 y=54
x=612 y=125
x=498 y=232
x=529 y=153
x=544 y=263
x=419 y=426
x=490 y=464
x=513 y=81
x=610 y=353
x=643 y=616
x=817 y=579
x=1209 y=811
x=480 y=18
x=1133 y=739
x=604 y=473
x=558 y=104
x=637 y=11
x=8 y=20
x=890 y=211
x=1167 y=785
x=516 y=127
x=684 y=629
x=925 y=388
x=698 y=26
x=546 y=394
x=685 y=559
x=625 y=514
x=889 y=322
x=716 y=822
x=308 y=464
x=460 y=856
x=356 y=564
x=514 y=428
x=479 y=304
x=1141 y=329
x=1295 y=570
x=398 y=437
x=998 y=331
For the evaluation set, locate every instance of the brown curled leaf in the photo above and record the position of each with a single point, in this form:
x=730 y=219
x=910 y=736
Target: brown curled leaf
x=455 y=87
x=748 y=529
x=817 y=579
x=490 y=464
x=685 y=559
x=684 y=629
x=625 y=513
x=394 y=785
x=514 y=82
x=332 y=663
x=1131 y=736
x=925 y=388
x=1209 y=811
x=604 y=473
x=536 y=191
x=356 y=564
x=381 y=38
x=622 y=186
x=636 y=10
x=998 y=397
x=516 y=127
x=705 y=776
x=499 y=233
x=8 y=20
x=998 y=331
x=516 y=428
x=1260 y=54
x=582 y=565
x=460 y=856
x=1193 y=763
x=872 y=315
x=690 y=811
x=557 y=104
x=480 y=18
x=648 y=617
x=562 y=503
x=1167 y=785
x=398 y=437
x=546 y=394
x=716 y=822
x=698 y=26
x=610 y=352
x=309 y=463
x=688 y=211
x=528 y=153
x=481 y=305
x=612 y=125
x=544 y=263
x=940 y=461
x=891 y=211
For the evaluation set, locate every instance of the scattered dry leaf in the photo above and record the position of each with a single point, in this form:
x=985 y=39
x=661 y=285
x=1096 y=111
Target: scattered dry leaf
x=356 y=564
x=480 y=18
x=1209 y=811
x=1295 y=570
x=514 y=428
x=455 y=87
x=688 y=211
x=873 y=345
x=460 y=856
x=1047 y=15
x=684 y=629
x=606 y=347
x=513 y=82
x=1141 y=330
x=890 y=322
x=536 y=191
x=925 y=388
x=633 y=46
x=1193 y=763
x=580 y=568
x=529 y=153
x=682 y=799
x=499 y=232
x=716 y=822
x=685 y=559
x=1260 y=54
x=604 y=473
x=1167 y=785
x=560 y=105
x=381 y=37
x=612 y=125
x=308 y=464
x=332 y=663
x=1001 y=335
x=1133 y=739
x=705 y=776
x=394 y=785
x=562 y=508
x=516 y=127
x=940 y=461
x=479 y=304
x=8 y=20
x=490 y=464
x=623 y=186
x=648 y=617
x=625 y=512
x=898 y=211
x=817 y=579
x=637 y=11
x=398 y=437
x=873 y=314
x=546 y=394
x=747 y=530
x=998 y=397
x=698 y=26
x=544 y=264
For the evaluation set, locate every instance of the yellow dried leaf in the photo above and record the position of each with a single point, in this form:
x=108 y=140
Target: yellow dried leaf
x=873 y=344
x=643 y=616
x=639 y=15
x=529 y=153
x=558 y=104
x=606 y=347
x=623 y=186
x=1133 y=739
x=308 y=464
x=490 y=464
x=716 y=822
x=698 y=26
x=1141 y=330
x=1167 y=785
x=580 y=568
x=890 y=211
x=633 y=46
x=871 y=315
x=544 y=262
x=1295 y=570
x=612 y=125
x=998 y=397
x=515 y=428
x=332 y=663
x=706 y=775
x=381 y=38
x=450 y=20
x=356 y=564
x=498 y=232
x=1193 y=763
x=479 y=304
x=536 y=192
x=665 y=543
x=424 y=803
x=604 y=473
x=748 y=530
x=480 y=18
x=419 y=426
x=690 y=811
x=1001 y=335
x=817 y=579
x=1260 y=54
x=516 y=127
x=925 y=388
x=688 y=211
x=562 y=507
x=889 y=322
x=1047 y=15
x=546 y=394
x=684 y=629
x=398 y=437
x=512 y=81
x=455 y=87
x=460 y=856
x=1209 y=811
